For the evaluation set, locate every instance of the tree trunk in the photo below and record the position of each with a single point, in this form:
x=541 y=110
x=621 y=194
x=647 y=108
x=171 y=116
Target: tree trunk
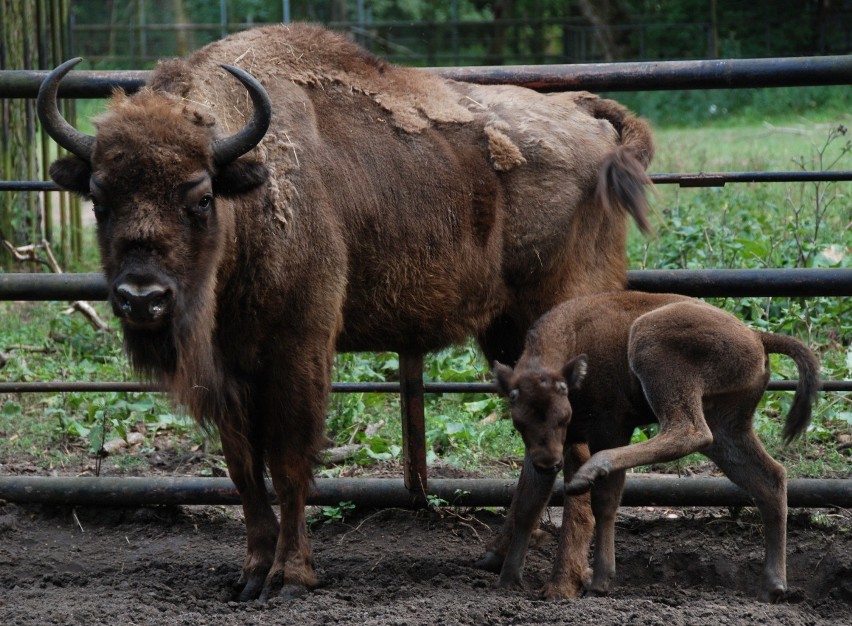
x=19 y=216
x=502 y=10
x=602 y=15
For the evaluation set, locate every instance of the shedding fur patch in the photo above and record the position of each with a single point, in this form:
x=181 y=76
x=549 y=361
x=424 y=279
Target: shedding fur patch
x=505 y=155
x=310 y=55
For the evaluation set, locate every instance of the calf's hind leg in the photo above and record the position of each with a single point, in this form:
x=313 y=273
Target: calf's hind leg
x=606 y=497
x=683 y=430
x=738 y=452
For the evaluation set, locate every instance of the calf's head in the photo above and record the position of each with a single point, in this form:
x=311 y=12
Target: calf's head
x=156 y=173
x=541 y=409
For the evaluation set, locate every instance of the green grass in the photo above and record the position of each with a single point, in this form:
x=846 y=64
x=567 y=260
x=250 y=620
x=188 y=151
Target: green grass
x=739 y=225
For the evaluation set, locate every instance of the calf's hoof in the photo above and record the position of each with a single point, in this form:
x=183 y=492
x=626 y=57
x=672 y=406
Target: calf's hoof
x=772 y=594
x=577 y=486
x=490 y=562
x=509 y=582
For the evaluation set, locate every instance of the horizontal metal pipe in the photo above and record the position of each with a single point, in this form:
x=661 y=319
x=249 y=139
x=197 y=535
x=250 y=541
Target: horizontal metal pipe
x=384 y=492
x=745 y=282
x=719 y=179
x=701 y=179
x=634 y=76
x=704 y=283
x=339 y=387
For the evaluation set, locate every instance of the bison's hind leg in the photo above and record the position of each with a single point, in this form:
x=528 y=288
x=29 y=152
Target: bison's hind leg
x=738 y=452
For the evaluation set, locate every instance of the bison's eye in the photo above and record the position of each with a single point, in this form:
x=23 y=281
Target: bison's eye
x=513 y=395
x=203 y=207
x=100 y=211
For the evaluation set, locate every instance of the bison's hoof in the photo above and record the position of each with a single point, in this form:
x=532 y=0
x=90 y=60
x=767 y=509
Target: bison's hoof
x=292 y=592
x=249 y=587
x=491 y=562
x=553 y=591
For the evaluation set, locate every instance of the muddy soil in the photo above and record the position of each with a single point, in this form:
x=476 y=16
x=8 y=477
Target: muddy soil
x=176 y=565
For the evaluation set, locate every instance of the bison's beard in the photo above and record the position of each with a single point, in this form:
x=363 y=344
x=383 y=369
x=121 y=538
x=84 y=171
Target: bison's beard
x=153 y=353
x=182 y=356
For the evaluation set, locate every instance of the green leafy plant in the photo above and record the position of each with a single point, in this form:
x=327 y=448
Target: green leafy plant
x=334 y=514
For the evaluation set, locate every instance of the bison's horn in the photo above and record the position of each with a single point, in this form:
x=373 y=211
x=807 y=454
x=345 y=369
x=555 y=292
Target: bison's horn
x=231 y=148
x=51 y=119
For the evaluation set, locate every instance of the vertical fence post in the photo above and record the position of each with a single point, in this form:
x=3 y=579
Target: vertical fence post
x=413 y=421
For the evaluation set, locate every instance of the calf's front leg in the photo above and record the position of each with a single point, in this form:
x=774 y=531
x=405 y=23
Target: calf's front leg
x=571 y=569
x=531 y=496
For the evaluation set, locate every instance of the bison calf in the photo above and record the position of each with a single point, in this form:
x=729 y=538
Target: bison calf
x=650 y=357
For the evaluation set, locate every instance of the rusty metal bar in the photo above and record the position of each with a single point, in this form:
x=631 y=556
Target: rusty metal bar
x=634 y=76
x=413 y=422
x=705 y=283
x=384 y=492
x=745 y=282
x=338 y=387
x=719 y=179
x=701 y=179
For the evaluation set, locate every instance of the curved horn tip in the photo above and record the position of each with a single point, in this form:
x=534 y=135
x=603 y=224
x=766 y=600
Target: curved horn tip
x=51 y=119
x=230 y=148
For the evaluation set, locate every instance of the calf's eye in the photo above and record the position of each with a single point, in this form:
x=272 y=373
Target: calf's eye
x=513 y=395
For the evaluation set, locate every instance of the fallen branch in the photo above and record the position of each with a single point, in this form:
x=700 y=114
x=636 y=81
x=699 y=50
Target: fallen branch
x=332 y=456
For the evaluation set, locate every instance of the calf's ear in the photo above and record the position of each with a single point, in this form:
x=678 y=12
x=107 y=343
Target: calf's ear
x=72 y=173
x=502 y=376
x=575 y=370
x=238 y=177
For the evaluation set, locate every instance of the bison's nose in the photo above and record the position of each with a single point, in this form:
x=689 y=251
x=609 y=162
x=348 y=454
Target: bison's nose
x=141 y=304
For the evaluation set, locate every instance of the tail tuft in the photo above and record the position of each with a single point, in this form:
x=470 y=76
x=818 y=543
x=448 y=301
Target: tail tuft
x=808 y=387
x=623 y=179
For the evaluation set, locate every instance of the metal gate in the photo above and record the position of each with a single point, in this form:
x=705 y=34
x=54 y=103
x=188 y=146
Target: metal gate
x=416 y=485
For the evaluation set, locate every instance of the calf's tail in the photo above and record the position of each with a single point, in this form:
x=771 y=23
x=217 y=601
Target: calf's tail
x=622 y=178
x=808 y=386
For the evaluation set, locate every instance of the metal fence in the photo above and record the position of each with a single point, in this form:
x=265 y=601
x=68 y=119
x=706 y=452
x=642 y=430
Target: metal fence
x=411 y=386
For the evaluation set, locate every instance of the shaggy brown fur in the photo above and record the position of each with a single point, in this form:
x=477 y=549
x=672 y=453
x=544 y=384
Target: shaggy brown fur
x=379 y=212
x=650 y=357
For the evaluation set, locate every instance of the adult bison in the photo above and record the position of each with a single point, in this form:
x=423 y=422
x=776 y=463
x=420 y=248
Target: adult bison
x=333 y=201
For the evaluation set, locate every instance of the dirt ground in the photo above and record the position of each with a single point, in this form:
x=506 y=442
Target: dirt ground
x=176 y=565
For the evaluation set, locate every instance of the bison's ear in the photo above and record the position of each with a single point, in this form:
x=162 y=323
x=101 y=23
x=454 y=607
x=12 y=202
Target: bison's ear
x=238 y=177
x=575 y=370
x=503 y=375
x=72 y=173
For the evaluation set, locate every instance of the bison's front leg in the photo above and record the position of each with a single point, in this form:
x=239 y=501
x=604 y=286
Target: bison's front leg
x=245 y=466
x=294 y=424
x=292 y=572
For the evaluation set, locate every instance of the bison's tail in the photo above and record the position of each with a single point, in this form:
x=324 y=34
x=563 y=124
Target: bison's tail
x=622 y=178
x=808 y=386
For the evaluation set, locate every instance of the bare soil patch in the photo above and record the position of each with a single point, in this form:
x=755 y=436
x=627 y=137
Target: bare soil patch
x=176 y=565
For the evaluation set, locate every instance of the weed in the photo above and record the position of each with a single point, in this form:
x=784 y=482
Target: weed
x=333 y=514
